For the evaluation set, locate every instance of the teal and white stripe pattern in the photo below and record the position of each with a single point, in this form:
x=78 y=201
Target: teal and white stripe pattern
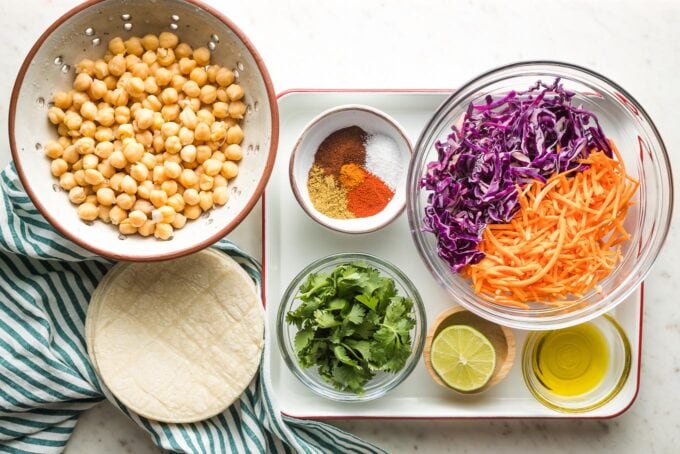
x=47 y=381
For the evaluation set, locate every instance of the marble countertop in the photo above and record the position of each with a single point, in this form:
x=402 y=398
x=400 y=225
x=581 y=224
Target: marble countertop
x=442 y=43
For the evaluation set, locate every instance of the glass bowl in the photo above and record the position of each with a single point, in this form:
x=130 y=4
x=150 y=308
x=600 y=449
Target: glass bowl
x=383 y=381
x=609 y=387
x=626 y=123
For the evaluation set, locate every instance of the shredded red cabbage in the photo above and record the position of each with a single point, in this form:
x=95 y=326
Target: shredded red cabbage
x=502 y=144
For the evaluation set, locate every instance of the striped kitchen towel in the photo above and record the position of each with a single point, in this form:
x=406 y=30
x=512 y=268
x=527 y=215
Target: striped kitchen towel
x=47 y=381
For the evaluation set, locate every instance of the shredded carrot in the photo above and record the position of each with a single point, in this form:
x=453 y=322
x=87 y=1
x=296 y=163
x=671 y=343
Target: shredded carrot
x=564 y=239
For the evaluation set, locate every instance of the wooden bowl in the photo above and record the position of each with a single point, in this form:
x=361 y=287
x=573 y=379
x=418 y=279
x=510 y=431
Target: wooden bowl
x=500 y=337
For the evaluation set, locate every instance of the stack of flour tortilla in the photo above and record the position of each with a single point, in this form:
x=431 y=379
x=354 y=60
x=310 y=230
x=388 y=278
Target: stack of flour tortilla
x=176 y=341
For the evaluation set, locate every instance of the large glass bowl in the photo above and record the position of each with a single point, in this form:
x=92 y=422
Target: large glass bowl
x=383 y=381
x=626 y=123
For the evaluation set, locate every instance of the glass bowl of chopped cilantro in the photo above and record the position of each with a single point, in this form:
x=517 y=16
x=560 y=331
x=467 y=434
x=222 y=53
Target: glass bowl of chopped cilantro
x=351 y=327
x=539 y=195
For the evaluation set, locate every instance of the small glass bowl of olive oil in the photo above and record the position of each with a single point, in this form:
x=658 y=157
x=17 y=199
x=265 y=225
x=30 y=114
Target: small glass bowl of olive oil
x=579 y=368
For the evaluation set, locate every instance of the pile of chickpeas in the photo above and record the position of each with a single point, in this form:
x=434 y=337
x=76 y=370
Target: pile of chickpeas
x=149 y=135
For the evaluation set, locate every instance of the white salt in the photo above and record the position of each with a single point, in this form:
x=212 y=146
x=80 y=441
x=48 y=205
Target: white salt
x=384 y=160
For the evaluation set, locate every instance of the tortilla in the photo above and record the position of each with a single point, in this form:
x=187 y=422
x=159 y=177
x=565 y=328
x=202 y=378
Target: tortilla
x=176 y=341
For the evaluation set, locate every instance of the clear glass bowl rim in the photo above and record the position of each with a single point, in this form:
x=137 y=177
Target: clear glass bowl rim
x=528 y=322
x=418 y=341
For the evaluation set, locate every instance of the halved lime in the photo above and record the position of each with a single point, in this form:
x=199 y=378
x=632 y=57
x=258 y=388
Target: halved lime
x=463 y=358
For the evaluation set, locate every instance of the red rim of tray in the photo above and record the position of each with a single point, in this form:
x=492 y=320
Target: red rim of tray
x=342 y=417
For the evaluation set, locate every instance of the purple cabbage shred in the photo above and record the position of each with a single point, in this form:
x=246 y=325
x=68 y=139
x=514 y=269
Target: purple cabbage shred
x=502 y=144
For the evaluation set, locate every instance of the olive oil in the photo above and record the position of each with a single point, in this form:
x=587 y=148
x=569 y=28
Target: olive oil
x=571 y=361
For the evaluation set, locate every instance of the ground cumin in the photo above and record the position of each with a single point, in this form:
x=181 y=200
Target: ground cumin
x=327 y=196
x=344 y=146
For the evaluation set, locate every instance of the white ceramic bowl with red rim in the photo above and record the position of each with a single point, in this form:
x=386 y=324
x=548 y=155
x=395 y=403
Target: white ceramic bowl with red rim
x=371 y=120
x=85 y=31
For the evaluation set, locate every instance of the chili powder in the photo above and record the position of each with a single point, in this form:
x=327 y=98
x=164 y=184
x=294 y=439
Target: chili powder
x=369 y=198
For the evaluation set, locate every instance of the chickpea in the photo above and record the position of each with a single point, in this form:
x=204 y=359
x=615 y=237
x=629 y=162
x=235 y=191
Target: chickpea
x=91 y=199
x=67 y=181
x=79 y=176
x=133 y=151
x=235 y=92
x=117 y=159
x=125 y=131
x=62 y=99
x=121 y=115
x=117 y=65
x=158 y=143
x=205 y=200
x=139 y=172
x=93 y=177
x=169 y=96
x=134 y=46
x=150 y=42
x=144 y=206
x=118 y=97
x=233 y=152
x=100 y=69
x=164 y=214
x=106 y=169
x=59 y=167
x=85 y=145
x=205 y=182
x=203 y=153
x=237 y=109
x=53 y=149
x=173 y=144
x=229 y=170
x=103 y=149
x=224 y=77
x=212 y=167
x=144 y=118
x=158 y=197
x=179 y=221
x=170 y=187
x=131 y=60
x=88 y=110
x=158 y=121
x=188 y=118
x=73 y=121
x=188 y=153
x=110 y=81
x=202 y=56
x=191 y=197
x=88 y=211
x=218 y=131
x=188 y=178
x=183 y=50
x=114 y=181
x=116 y=46
x=125 y=201
x=128 y=185
x=192 y=89
x=104 y=213
x=82 y=82
x=220 y=195
x=117 y=215
x=97 y=90
x=145 y=138
x=149 y=160
x=186 y=135
x=79 y=98
x=220 y=109
x=149 y=58
x=176 y=201
x=71 y=154
x=152 y=102
x=147 y=228
x=192 y=211
x=172 y=158
x=172 y=169
x=211 y=71
x=134 y=87
x=170 y=113
x=103 y=134
x=199 y=75
x=168 y=40
x=88 y=129
x=105 y=196
x=55 y=115
x=163 y=77
x=222 y=95
x=144 y=189
x=163 y=231
x=77 y=194
x=126 y=228
x=234 y=135
x=137 y=218
x=90 y=161
x=166 y=57
x=186 y=65
x=78 y=165
x=208 y=94
x=178 y=82
x=140 y=70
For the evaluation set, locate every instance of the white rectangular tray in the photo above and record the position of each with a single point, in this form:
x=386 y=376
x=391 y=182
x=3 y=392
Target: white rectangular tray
x=292 y=240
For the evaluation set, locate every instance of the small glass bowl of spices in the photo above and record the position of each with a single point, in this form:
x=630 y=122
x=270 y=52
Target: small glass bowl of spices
x=348 y=169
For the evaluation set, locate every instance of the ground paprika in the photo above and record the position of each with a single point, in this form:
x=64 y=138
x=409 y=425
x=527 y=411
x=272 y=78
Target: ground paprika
x=369 y=198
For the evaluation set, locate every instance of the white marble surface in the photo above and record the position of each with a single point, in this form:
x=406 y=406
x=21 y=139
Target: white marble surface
x=355 y=43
